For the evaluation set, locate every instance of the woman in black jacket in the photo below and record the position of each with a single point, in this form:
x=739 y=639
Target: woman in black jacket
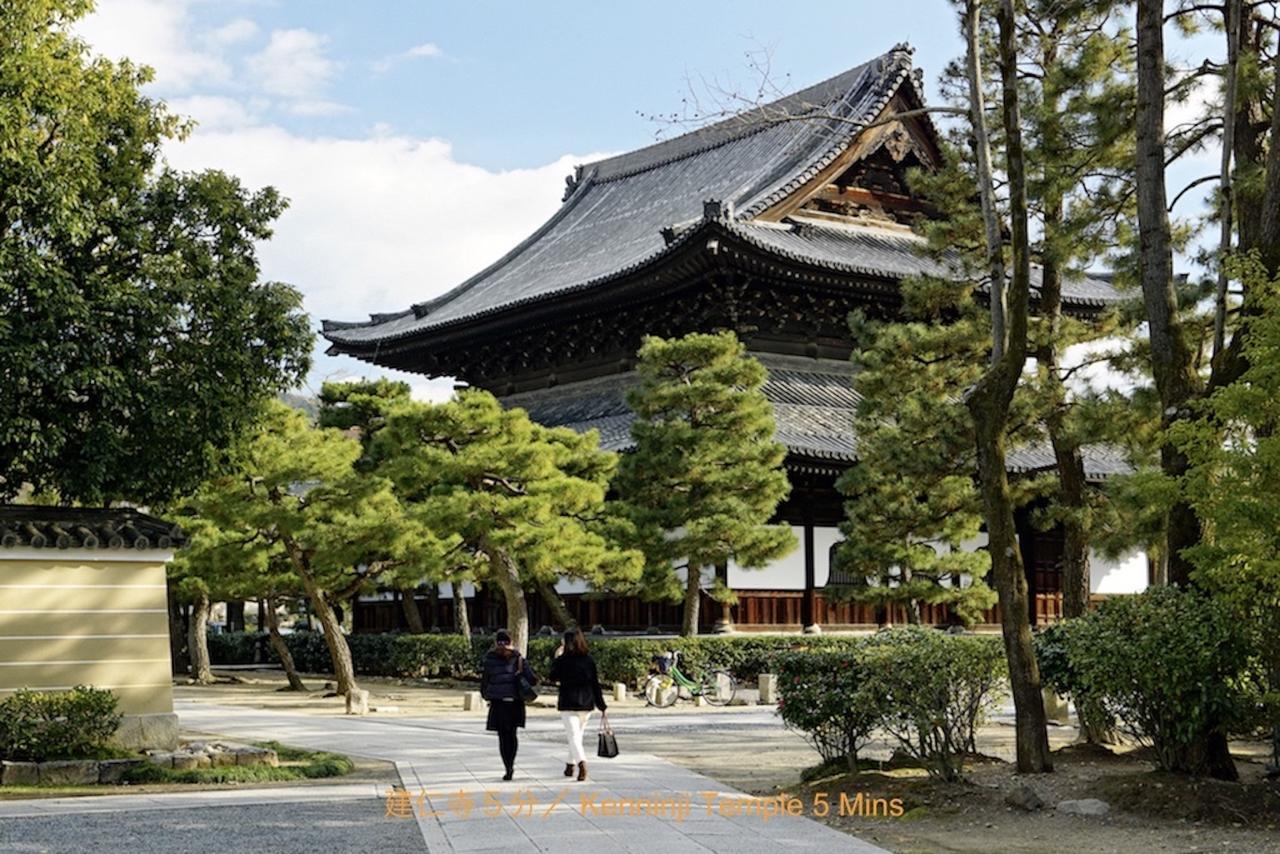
x=500 y=685
x=575 y=670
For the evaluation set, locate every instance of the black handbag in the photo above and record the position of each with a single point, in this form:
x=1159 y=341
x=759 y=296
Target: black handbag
x=606 y=744
x=527 y=692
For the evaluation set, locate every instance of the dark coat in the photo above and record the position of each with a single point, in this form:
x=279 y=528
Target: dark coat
x=498 y=685
x=579 y=683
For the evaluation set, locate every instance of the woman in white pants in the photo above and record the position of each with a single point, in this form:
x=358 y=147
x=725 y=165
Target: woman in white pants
x=575 y=670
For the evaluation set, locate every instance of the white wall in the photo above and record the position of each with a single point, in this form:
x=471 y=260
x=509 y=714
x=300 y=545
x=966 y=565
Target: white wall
x=1125 y=574
x=787 y=573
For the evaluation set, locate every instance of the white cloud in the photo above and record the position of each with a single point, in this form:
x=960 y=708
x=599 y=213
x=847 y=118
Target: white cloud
x=316 y=107
x=293 y=64
x=155 y=33
x=213 y=112
x=427 y=50
x=234 y=32
x=378 y=223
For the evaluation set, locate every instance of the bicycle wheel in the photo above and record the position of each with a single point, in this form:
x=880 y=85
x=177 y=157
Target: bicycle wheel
x=719 y=688
x=661 y=691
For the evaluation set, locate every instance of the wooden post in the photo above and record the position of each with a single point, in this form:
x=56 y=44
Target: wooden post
x=809 y=604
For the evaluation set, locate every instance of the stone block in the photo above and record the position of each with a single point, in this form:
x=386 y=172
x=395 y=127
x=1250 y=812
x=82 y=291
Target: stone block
x=19 y=773
x=162 y=758
x=142 y=732
x=472 y=702
x=203 y=760
x=619 y=690
x=358 y=702
x=250 y=756
x=222 y=758
x=112 y=771
x=69 y=772
x=1056 y=708
x=1084 y=806
x=183 y=761
x=699 y=700
x=768 y=684
x=269 y=757
x=1023 y=797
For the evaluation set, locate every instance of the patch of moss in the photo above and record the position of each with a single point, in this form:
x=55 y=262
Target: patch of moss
x=295 y=765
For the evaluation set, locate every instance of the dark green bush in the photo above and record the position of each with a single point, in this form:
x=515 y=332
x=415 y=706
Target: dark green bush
x=37 y=725
x=933 y=690
x=235 y=647
x=823 y=695
x=1173 y=668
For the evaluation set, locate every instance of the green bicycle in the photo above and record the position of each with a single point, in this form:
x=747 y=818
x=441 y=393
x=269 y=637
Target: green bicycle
x=668 y=685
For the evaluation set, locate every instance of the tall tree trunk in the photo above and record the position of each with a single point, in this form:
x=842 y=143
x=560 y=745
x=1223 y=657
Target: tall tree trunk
x=198 y=641
x=461 y=620
x=1072 y=486
x=507 y=574
x=1225 y=190
x=344 y=671
x=912 y=605
x=281 y=648
x=990 y=399
x=559 y=611
x=1172 y=363
x=178 y=636
x=692 y=603
x=409 y=604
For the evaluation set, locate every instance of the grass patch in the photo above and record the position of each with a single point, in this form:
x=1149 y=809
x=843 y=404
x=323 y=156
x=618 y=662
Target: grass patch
x=295 y=764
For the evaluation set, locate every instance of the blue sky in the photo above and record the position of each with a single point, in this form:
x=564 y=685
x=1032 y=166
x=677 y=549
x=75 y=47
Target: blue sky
x=418 y=141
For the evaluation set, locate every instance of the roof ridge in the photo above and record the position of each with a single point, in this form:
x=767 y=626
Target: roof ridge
x=741 y=125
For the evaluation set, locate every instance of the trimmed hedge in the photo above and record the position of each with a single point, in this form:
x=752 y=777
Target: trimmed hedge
x=620 y=659
x=39 y=725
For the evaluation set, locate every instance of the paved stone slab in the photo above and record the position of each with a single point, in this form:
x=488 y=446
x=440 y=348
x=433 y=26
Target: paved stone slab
x=450 y=763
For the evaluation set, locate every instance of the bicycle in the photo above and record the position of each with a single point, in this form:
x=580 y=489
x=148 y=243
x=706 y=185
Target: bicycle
x=663 y=688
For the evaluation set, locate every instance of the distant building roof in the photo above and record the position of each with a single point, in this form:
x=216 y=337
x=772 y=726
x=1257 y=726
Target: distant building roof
x=626 y=213
x=813 y=403
x=32 y=526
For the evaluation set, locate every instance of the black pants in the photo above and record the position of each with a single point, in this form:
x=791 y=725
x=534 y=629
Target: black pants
x=508 y=744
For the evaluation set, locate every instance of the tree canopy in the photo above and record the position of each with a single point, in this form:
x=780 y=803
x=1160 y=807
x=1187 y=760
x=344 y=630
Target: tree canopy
x=706 y=475
x=138 y=338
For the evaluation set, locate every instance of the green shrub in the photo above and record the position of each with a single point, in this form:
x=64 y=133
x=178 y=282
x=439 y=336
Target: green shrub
x=824 y=696
x=933 y=690
x=235 y=647
x=36 y=725
x=1172 y=667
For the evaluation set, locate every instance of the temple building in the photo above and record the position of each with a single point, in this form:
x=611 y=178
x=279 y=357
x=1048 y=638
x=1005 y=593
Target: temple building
x=774 y=224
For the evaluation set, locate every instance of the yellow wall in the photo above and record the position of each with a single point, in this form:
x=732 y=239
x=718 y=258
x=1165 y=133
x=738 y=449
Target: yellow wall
x=66 y=620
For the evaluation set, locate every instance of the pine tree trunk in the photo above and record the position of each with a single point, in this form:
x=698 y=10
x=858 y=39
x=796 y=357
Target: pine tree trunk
x=281 y=648
x=344 y=671
x=409 y=604
x=1171 y=359
x=692 y=602
x=198 y=641
x=507 y=574
x=559 y=611
x=989 y=401
x=461 y=620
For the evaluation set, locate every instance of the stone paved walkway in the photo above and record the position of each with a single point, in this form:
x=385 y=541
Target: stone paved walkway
x=455 y=763
x=450 y=767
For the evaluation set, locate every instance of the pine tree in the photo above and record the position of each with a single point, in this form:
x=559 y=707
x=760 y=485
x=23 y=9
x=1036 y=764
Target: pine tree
x=521 y=500
x=706 y=475
x=295 y=490
x=912 y=504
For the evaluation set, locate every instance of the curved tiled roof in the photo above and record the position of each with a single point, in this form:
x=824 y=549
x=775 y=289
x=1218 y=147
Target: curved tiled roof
x=32 y=526
x=612 y=220
x=813 y=403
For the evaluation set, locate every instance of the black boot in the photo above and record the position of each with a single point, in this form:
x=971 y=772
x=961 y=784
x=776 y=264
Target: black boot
x=582 y=771
x=568 y=769
x=510 y=771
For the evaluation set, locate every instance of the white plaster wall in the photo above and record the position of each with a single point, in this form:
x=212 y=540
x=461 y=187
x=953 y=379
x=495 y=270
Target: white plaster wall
x=1124 y=574
x=787 y=573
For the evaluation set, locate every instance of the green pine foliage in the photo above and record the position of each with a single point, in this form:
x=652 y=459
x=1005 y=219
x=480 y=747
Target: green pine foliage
x=523 y=502
x=911 y=499
x=706 y=475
